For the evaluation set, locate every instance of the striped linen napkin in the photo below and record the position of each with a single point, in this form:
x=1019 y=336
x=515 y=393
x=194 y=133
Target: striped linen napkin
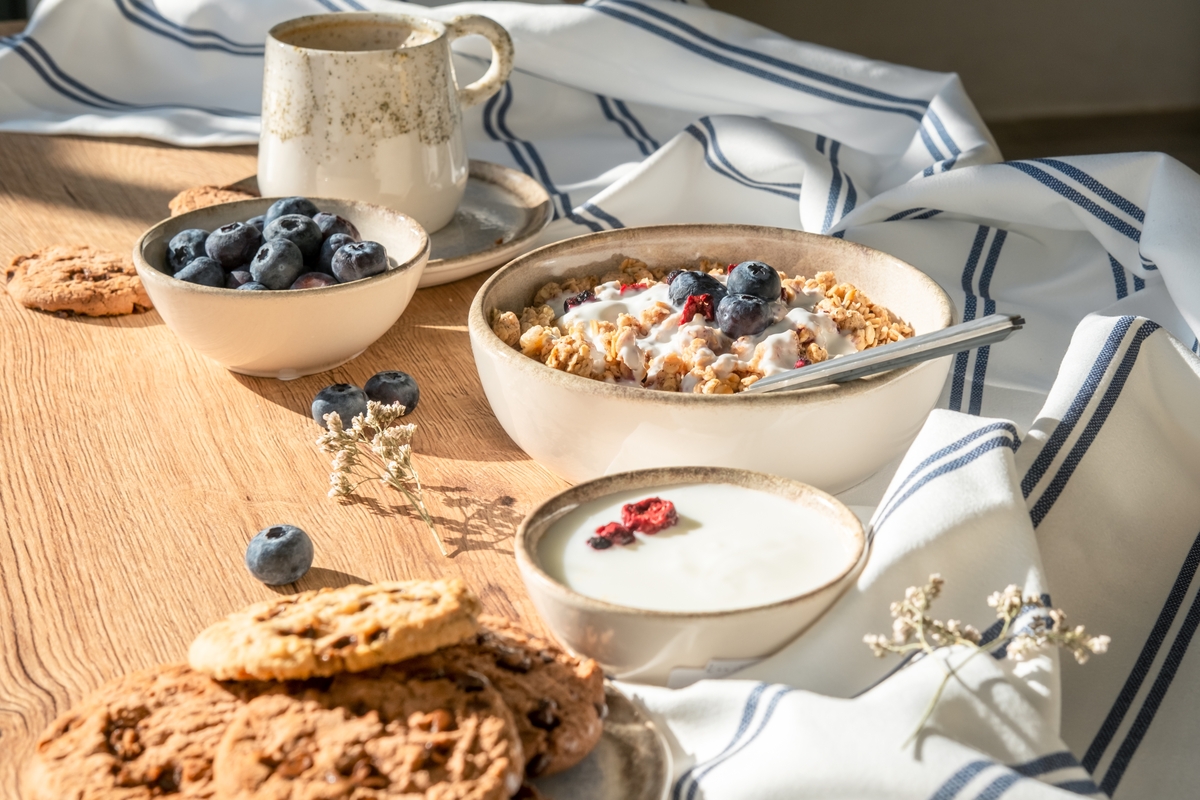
x=1063 y=460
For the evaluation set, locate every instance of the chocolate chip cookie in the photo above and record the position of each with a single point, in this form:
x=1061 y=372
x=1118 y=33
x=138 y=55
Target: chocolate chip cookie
x=557 y=699
x=79 y=279
x=203 y=196
x=377 y=735
x=324 y=632
x=148 y=734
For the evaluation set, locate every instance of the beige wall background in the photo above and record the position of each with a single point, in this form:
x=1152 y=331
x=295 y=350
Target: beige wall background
x=1018 y=58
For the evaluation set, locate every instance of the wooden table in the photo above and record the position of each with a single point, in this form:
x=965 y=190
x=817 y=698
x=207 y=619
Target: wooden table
x=134 y=471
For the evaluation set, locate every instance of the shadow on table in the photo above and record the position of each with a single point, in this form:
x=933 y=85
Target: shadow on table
x=319 y=578
x=477 y=524
x=143 y=320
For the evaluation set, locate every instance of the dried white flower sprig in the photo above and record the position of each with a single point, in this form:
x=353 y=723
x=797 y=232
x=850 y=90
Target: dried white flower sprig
x=371 y=449
x=913 y=629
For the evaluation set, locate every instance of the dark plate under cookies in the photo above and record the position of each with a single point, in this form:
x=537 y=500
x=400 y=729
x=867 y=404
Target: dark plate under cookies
x=631 y=762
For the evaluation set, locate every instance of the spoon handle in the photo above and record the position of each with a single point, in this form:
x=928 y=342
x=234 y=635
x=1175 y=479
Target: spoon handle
x=955 y=339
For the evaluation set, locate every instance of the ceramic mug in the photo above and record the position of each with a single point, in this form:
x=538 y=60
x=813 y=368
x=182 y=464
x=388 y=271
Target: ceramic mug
x=365 y=106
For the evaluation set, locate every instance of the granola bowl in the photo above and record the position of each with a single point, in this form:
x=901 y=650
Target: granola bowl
x=831 y=437
x=293 y=332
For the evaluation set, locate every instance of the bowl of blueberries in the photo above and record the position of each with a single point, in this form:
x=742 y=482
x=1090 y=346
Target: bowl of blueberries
x=282 y=287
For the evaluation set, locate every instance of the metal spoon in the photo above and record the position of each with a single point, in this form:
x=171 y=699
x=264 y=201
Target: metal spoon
x=955 y=339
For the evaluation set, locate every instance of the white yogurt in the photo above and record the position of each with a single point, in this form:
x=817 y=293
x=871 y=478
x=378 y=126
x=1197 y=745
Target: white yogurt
x=733 y=548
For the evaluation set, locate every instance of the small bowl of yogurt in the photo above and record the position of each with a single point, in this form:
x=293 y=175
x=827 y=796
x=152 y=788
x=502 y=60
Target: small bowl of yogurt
x=744 y=564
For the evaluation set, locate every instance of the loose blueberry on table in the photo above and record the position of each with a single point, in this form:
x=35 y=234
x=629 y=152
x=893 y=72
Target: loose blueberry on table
x=279 y=554
x=293 y=246
x=348 y=401
x=393 y=386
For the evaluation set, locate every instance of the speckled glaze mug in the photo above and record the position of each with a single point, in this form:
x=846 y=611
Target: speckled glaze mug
x=366 y=107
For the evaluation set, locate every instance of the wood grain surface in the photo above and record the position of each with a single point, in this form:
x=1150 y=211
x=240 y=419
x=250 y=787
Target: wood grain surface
x=133 y=471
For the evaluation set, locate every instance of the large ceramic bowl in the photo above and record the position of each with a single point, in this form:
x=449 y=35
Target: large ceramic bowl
x=675 y=648
x=288 y=333
x=831 y=437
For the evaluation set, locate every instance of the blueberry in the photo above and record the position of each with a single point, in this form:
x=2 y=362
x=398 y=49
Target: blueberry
x=289 y=205
x=756 y=278
x=257 y=222
x=348 y=401
x=233 y=245
x=359 y=260
x=330 y=246
x=689 y=283
x=393 y=386
x=184 y=248
x=254 y=286
x=300 y=231
x=313 y=280
x=332 y=223
x=279 y=554
x=237 y=278
x=277 y=264
x=743 y=315
x=203 y=271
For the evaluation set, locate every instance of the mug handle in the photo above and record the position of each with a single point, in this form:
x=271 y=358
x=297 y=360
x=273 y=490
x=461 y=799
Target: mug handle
x=502 y=56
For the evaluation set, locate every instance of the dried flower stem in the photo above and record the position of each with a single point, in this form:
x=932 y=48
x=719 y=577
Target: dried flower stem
x=373 y=449
x=913 y=629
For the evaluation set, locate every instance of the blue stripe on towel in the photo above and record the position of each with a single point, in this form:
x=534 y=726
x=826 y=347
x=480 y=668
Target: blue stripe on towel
x=1072 y=194
x=835 y=186
x=624 y=111
x=153 y=27
x=1095 y=185
x=599 y=213
x=1118 y=277
x=763 y=58
x=1062 y=431
x=959 y=780
x=950 y=466
x=610 y=114
x=748 y=711
x=959 y=378
x=153 y=13
x=1044 y=503
x=1141 y=667
x=727 y=169
x=699 y=774
x=1158 y=692
x=958 y=445
x=945 y=134
x=998 y=787
x=989 y=307
x=725 y=60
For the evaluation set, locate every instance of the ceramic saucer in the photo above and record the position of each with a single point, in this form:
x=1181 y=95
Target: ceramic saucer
x=631 y=762
x=499 y=218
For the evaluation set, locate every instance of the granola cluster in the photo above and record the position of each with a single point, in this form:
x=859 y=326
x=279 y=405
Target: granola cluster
x=671 y=349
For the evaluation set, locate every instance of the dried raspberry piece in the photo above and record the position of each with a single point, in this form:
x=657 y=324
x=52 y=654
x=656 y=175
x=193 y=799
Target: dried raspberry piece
x=578 y=300
x=801 y=362
x=697 y=304
x=672 y=275
x=650 y=515
x=616 y=533
x=730 y=268
x=630 y=287
x=599 y=543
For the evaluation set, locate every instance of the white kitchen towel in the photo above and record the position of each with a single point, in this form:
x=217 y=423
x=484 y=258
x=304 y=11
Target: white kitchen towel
x=1064 y=459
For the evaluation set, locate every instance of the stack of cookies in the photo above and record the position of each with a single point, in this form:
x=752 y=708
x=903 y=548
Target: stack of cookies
x=395 y=690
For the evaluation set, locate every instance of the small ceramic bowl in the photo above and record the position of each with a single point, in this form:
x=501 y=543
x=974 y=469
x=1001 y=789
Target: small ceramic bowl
x=831 y=437
x=648 y=646
x=288 y=333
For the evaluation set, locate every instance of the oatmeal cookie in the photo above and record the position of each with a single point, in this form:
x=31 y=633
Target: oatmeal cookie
x=145 y=735
x=377 y=735
x=204 y=196
x=77 y=278
x=328 y=631
x=557 y=699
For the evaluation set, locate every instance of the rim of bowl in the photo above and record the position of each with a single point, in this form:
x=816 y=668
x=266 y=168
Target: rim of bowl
x=562 y=502
x=425 y=24
x=477 y=321
x=144 y=267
